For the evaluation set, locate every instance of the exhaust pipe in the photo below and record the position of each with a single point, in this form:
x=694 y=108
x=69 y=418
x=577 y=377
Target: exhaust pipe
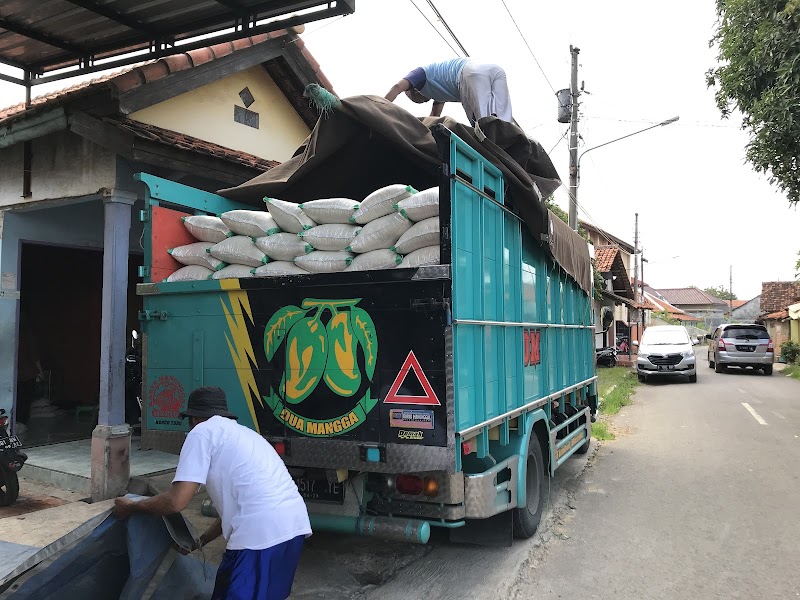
x=395 y=529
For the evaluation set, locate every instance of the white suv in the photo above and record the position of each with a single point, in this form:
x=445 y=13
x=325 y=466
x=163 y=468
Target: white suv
x=666 y=350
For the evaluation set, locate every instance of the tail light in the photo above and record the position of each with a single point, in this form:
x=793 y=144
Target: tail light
x=280 y=448
x=410 y=485
x=721 y=345
x=413 y=485
x=770 y=347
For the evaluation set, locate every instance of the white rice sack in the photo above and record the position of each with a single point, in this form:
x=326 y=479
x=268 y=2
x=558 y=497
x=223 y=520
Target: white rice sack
x=331 y=210
x=380 y=233
x=239 y=250
x=322 y=261
x=429 y=255
x=381 y=203
x=234 y=272
x=278 y=268
x=332 y=237
x=207 y=228
x=420 y=206
x=196 y=254
x=288 y=215
x=377 y=259
x=191 y=273
x=424 y=233
x=283 y=246
x=252 y=223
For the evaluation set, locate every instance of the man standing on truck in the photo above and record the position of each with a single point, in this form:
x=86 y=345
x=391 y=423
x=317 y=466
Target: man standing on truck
x=481 y=88
x=262 y=515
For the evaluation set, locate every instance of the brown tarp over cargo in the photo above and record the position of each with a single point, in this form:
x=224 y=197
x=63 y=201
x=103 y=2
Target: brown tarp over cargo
x=367 y=142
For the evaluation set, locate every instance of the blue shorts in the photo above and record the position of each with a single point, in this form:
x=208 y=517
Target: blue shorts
x=258 y=574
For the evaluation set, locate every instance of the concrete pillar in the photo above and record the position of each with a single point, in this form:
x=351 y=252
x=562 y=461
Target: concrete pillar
x=111 y=439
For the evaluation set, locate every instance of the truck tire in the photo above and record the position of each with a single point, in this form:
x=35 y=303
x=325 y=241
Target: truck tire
x=526 y=518
x=584 y=447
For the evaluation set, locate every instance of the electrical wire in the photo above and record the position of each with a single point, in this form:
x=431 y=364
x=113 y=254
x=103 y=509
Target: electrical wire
x=536 y=60
x=424 y=16
x=446 y=26
x=563 y=137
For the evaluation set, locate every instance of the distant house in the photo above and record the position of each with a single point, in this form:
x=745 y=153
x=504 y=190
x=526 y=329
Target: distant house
x=746 y=311
x=697 y=303
x=600 y=238
x=776 y=297
x=661 y=307
x=617 y=295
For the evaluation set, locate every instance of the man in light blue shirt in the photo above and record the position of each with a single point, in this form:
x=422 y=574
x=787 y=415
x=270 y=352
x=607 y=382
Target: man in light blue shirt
x=481 y=88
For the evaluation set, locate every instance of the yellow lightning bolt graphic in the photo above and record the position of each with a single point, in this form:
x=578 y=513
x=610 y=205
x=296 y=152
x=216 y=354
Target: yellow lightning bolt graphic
x=239 y=341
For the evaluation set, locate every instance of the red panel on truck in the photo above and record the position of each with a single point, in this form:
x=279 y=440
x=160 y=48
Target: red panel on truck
x=168 y=232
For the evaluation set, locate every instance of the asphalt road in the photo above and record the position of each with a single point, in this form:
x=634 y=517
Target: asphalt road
x=699 y=497
x=696 y=498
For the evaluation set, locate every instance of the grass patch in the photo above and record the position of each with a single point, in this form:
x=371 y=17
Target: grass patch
x=600 y=431
x=623 y=382
x=792 y=371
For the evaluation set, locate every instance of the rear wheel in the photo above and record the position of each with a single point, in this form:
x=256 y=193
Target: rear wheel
x=718 y=368
x=526 y=518
x=768 y=370
x=9 y=487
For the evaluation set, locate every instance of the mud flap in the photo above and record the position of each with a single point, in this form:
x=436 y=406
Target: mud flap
x=496 y=531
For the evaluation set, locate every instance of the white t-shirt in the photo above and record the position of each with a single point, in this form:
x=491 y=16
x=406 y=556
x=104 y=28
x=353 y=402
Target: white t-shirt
x=248 y=483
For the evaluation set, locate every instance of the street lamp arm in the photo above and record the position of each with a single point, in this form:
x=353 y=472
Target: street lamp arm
x=667 y=122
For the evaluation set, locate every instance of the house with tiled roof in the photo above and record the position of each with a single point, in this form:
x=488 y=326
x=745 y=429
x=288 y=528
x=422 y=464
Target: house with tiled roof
x=618 y=297
x=776 y=298
x=70 y=207
x=659 y=305
x=746 y=311
x=697 y=303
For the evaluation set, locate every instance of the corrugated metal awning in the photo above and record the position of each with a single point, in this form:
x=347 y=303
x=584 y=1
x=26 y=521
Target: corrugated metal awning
x=56 y=39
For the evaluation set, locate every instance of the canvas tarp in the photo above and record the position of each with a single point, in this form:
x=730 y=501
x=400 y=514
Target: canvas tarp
x=367 y=142
x=110 y=559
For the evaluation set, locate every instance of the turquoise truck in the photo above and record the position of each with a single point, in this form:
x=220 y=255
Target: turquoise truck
x=399 y=399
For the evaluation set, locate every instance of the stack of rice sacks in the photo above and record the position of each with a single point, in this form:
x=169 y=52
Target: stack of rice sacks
x=395 y=226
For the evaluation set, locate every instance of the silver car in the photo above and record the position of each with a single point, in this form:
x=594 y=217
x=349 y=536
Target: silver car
x=745 y=346
x=666 y=350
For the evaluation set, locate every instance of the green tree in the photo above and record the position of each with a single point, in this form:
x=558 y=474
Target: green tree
x=720 y=292
x=758 y=73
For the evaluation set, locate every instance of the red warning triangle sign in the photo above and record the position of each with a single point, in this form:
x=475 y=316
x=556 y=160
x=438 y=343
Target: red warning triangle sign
x=411 y=363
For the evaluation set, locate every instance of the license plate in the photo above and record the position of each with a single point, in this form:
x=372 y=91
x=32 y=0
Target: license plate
x=746 y=348
x=9 y=442
x=666 y=367
x=320 y=490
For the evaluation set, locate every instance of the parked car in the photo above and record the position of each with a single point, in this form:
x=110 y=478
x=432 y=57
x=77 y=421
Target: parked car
x=742 y=345
x=666 y=350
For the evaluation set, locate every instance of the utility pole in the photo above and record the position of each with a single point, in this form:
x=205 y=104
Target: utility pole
x=635 y=274
x=573 y=141
x=730 y=295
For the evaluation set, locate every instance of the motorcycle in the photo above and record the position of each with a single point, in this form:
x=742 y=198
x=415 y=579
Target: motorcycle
x=11 y=461
x=133 y=383
x=606 y=357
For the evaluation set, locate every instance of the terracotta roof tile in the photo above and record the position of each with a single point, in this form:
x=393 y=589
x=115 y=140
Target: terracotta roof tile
x=777 y=295
x=132 y=77
x=781 y=314
x=604 y=257
x=187 y=142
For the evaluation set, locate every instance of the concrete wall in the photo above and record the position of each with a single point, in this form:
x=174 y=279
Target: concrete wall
x=749 y=312
x=207 y=113
x=779 y=332
x=63 y=165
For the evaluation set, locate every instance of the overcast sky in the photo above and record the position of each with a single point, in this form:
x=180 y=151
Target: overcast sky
x=701 y=208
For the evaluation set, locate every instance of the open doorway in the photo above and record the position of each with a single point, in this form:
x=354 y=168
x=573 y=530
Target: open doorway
x=60 y=314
